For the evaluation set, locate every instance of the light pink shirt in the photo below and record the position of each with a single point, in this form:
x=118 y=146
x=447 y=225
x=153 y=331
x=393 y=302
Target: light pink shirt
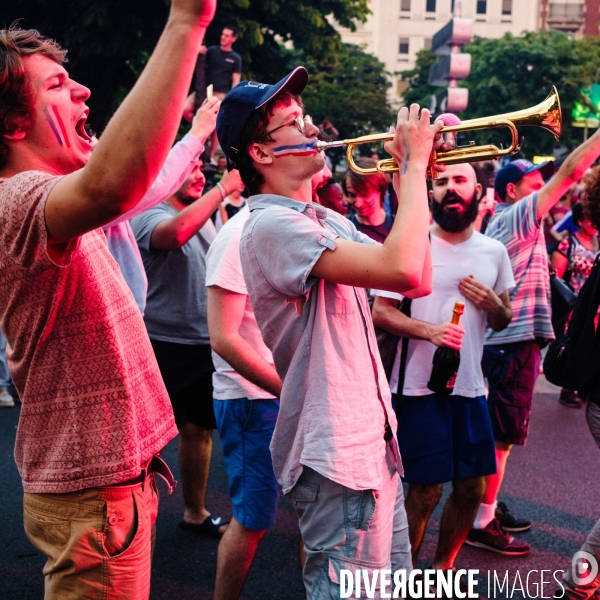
x=94 y=404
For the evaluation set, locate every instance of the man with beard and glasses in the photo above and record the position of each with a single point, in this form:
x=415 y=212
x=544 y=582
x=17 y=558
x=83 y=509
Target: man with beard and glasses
x=448 y=437
x=173 y=239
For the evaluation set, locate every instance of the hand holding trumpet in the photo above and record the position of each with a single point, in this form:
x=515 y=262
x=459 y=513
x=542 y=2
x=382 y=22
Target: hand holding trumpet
x=414 y=137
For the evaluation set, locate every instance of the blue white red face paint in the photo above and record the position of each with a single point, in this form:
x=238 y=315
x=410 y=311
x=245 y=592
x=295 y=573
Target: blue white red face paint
x=57 y=126
x=306 y=149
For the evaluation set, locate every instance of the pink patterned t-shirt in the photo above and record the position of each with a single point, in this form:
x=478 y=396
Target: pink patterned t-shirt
x=94 y=403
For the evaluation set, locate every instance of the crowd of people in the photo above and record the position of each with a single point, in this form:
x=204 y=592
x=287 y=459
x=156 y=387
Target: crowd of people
x=140 y=303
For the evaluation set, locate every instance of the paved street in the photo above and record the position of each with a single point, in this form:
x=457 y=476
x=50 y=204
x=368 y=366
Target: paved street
x=553 y=481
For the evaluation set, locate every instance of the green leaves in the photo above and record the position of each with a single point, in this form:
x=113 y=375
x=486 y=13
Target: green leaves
x=109 y=41
x=350 y=91
x=516 y=72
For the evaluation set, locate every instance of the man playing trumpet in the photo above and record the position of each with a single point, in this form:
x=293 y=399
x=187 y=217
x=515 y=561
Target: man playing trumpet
x=334 y=447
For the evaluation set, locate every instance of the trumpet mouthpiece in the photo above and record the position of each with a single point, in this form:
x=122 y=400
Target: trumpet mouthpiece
x=326 y=145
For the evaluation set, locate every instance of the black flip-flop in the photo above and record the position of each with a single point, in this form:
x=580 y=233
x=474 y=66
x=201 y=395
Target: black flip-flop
x=209 y=527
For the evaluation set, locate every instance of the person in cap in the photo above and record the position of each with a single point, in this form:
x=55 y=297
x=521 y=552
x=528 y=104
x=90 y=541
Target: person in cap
x=511 y=357
x=334 y=449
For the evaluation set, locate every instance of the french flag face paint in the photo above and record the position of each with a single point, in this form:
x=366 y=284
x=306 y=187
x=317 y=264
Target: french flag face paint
x=57 y=126
x=296 y=150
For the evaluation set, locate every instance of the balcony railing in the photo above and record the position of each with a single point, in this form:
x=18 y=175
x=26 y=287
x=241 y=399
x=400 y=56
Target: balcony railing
x=564 y=12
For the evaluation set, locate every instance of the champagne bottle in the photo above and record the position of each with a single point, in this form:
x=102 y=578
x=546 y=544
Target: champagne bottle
x=446 y=361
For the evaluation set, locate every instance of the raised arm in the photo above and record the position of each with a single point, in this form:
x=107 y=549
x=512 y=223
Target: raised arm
x=181 y=161
x=130 y=154
x=569 y=172
x=225 y=314
x=399 y=264
x=174 y=233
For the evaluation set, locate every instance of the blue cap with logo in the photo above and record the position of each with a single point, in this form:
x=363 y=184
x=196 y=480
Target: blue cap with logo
x=512 y=173
x=242 y=101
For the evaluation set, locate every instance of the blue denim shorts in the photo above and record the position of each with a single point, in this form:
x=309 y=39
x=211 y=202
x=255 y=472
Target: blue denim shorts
x=443 y=438
x=246 y=428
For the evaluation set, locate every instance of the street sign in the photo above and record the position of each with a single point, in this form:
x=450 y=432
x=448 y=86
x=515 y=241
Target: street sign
x=451 y=100
x=450 y=67
x=453 y=64
x=457 y=32
x=583 y=115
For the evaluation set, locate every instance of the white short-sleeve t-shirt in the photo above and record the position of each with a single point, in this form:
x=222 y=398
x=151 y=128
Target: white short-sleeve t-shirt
x=224 y=268
x=487 y=261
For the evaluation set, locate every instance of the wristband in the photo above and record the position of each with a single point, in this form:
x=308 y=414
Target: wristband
x=222 y=190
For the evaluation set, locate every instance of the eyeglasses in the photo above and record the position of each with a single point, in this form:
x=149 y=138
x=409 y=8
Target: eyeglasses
x=298 y=122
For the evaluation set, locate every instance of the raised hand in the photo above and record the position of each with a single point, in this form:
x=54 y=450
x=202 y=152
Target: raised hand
x=414 y=137
x=202 y=11
x=232 y=181
x=205 y=119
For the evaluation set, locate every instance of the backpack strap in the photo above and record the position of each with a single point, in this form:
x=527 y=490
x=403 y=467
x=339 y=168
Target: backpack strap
x=404 y=309
x=568 y=272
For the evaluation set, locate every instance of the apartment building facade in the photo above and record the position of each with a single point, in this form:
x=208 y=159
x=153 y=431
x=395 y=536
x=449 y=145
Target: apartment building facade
x=397 y=29
x=577 y=17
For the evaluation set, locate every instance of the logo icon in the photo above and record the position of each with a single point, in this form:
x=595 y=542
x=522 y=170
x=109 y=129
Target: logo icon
x=584 y=568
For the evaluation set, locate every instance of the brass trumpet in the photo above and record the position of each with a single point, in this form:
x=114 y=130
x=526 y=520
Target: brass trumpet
x=547 y=115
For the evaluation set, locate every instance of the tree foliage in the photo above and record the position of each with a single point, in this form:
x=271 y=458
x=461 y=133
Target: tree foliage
x=516 y=72
x=350 y=92
x=109 y=41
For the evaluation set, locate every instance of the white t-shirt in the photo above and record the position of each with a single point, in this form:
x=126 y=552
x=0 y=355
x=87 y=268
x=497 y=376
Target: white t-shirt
x=224 y=268
x=488 y=262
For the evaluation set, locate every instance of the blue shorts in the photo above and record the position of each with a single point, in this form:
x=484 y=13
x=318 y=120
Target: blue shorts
x=246 y=428
x=443 y=438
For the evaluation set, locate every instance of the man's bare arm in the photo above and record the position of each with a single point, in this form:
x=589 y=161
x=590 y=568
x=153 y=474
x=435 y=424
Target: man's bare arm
x=387 y=316
x=569 y=172
x=225 y=313
x=174 y=233
x=136 y=142
x=235 y=79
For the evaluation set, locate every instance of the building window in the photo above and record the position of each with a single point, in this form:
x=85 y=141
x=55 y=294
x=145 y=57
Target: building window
x=405 y=5
x=507 y=7
x=401 y=87
x=430 y=6
x=403 y=46
x=481 y=7
x=427 y=44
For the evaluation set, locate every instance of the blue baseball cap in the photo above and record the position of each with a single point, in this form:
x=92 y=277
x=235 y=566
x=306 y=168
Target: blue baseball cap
x=512 y=173
x=242 y=101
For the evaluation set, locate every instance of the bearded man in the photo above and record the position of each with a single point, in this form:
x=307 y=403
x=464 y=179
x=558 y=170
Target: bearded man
x=448 y=437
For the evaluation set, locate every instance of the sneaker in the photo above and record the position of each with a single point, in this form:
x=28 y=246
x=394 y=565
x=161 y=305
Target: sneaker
x=508 y=521
x=6 y=400
x=495 y=539
x=569 y=398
